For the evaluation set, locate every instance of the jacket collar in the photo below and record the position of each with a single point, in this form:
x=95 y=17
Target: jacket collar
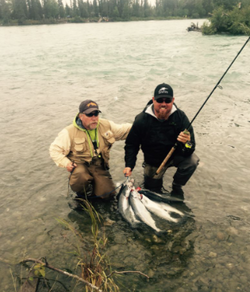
x=78 y=124
x=150 y=110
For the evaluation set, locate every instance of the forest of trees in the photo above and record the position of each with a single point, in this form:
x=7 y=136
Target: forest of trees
x=54 y=11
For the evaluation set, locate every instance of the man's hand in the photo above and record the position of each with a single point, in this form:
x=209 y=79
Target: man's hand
x=127 y=171
x=184 y=137
x=71 y=166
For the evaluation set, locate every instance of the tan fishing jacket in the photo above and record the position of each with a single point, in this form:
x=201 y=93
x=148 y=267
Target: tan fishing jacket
x=74 y=144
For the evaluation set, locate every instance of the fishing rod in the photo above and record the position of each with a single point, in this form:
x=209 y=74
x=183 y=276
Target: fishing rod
x=186 y=130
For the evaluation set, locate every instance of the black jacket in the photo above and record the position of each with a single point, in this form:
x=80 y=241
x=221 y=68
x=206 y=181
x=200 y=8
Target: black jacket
x=156 y=138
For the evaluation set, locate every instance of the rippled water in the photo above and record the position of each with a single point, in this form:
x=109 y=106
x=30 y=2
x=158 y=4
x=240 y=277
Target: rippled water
x=46 y=71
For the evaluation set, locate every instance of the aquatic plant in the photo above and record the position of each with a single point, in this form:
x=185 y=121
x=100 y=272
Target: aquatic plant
x=95 y=270
x=95 y=267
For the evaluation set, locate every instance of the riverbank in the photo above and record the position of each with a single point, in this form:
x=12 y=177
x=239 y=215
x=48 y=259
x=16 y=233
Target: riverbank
x=16 y=22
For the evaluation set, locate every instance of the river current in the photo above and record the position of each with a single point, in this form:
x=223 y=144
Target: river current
x=46 y=71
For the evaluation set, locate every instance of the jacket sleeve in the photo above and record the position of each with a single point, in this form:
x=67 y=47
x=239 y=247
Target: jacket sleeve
x=132 y=145
x=120 y=131
x=60 y=148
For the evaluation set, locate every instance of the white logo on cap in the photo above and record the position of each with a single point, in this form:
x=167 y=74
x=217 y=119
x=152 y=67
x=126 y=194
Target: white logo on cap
x=163 y=90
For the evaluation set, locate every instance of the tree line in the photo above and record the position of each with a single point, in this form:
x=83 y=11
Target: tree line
x=54 y=11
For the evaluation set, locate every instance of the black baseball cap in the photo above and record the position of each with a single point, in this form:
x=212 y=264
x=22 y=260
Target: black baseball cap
x=163 y=90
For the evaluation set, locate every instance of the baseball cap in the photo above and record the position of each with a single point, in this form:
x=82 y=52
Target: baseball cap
x=88 y=106
x=163 y=90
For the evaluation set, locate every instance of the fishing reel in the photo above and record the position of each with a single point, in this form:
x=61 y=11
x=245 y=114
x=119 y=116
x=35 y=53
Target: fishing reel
x=188 y=145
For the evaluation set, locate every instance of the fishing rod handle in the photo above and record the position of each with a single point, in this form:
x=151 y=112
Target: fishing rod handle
x=170 y=154
x=166 y=159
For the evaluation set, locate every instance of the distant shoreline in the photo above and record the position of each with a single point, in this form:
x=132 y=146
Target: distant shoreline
x=84 y=20
x=206 y=28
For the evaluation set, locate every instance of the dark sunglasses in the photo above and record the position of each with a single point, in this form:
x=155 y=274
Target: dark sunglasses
x=166 y=99
x=95 y=113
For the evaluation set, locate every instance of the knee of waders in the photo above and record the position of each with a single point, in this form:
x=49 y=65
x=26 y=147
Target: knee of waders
x=86 y=191
x=153 y=185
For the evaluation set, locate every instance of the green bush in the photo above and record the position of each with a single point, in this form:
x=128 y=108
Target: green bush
x=234 y=22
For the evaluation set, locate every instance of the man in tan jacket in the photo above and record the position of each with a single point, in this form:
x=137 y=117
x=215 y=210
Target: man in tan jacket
x=83 y=149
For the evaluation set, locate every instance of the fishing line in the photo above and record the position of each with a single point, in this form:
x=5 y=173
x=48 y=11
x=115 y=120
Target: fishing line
x=73 y=164
x=217 y=83
x=175 y=145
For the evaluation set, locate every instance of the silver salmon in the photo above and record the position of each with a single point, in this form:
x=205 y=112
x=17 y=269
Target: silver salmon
x=163 y=210
x=124 y=206
x=141 y=211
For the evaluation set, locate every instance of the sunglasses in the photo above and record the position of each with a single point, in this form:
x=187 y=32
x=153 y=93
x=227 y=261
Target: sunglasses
x=165 y=99
x=95 y=113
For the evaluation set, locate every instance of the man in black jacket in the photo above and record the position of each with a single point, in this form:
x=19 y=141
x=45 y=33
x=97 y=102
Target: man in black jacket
x=155 y=130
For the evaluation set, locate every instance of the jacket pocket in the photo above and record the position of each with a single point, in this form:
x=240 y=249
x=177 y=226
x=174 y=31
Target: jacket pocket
x=108 y=137
x=80 y=144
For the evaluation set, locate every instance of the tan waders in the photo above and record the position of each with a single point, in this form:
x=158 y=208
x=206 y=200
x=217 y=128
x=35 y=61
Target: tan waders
x=95 y=174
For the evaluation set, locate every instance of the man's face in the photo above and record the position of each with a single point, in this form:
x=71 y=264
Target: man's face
x=163 y=108
x=89 y=121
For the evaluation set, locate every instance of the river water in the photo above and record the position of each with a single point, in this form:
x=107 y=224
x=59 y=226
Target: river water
x=46 y=71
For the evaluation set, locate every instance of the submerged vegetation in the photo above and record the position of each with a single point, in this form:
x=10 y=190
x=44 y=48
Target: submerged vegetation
x=229 y=16
x=93 y=269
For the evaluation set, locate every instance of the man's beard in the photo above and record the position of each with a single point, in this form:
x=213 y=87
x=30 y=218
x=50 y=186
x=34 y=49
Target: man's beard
x=92 y=126
x=163 y=113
